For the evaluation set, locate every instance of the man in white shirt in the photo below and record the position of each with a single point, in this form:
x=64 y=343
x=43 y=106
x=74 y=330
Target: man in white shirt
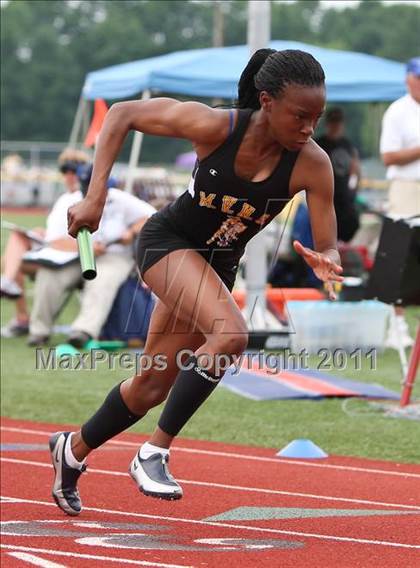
x=400 y=147
x=123 y=217
x=400 y=152
x=55 y=235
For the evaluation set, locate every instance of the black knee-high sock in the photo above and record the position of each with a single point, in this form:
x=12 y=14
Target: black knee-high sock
x=110 y=419
x=190 y=390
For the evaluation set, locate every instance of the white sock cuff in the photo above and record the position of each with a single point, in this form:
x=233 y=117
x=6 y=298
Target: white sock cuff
x=148 y=449
x=69 y=456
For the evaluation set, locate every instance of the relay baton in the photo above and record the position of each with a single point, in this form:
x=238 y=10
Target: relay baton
x=87 y=258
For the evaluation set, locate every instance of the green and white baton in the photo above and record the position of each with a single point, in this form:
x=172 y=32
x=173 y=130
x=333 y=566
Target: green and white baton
x=87 y=258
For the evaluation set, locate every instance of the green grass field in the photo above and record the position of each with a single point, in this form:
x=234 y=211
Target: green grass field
x=346 y=427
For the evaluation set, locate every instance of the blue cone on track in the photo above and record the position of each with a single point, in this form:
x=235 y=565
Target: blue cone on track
x=302 y=448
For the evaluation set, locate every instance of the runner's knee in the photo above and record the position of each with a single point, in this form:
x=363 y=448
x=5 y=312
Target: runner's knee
x=148 y=390
x=232 y=343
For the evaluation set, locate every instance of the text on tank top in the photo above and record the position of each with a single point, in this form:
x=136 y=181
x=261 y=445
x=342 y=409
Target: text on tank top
x=223 y=211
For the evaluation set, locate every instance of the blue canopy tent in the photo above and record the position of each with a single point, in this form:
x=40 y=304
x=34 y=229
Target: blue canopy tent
x=214 y=72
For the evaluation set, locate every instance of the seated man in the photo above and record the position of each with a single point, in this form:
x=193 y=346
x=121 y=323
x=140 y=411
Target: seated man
x=55 y=234
x=122 y=219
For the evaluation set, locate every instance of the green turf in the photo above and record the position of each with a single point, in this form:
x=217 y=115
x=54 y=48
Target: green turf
x=346 y=427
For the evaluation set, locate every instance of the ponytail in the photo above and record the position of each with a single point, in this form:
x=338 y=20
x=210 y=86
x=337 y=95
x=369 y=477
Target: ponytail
x=248 y=95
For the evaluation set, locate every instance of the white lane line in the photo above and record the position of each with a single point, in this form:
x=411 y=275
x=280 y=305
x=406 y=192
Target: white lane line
x=278 y=461
x=7 y=500
x=31 y=559
x=236 y=487
x=92 y=557
x=238 y=527
x=26 y=430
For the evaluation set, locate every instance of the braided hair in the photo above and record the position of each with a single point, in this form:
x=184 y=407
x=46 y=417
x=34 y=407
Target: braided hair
x=270 y=70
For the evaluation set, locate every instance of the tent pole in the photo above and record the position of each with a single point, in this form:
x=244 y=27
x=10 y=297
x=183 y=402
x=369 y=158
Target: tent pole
x=256 y=254
x=380 y=109
x=135 y=151
x=77 y=123
x=85 y=120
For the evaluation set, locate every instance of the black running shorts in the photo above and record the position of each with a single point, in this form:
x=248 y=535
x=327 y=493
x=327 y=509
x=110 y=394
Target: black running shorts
x=158 y=238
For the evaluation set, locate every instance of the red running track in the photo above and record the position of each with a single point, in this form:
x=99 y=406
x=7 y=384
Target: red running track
x=242 y=507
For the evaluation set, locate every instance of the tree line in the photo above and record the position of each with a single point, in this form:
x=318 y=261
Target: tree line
x=48 y=47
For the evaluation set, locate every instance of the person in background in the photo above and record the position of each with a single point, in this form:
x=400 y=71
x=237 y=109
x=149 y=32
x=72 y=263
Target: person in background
x=123 y=217
x=400 y=152
x=55 y=234
x=346 y=166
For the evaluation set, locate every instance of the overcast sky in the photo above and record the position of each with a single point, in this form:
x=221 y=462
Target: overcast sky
x=333 y=3
x=347 y=3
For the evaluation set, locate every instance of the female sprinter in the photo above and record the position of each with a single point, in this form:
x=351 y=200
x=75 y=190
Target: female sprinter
x=251 y=161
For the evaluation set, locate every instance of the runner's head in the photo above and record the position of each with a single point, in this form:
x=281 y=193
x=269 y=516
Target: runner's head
x=289 y=87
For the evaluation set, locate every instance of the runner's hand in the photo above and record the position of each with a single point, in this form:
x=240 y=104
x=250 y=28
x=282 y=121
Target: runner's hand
x=84 y=214
x=324 y=268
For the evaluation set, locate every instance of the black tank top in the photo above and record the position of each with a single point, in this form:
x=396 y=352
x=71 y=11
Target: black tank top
x=222 y=211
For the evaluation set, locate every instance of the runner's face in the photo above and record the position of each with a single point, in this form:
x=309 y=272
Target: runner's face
x=294 y=114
